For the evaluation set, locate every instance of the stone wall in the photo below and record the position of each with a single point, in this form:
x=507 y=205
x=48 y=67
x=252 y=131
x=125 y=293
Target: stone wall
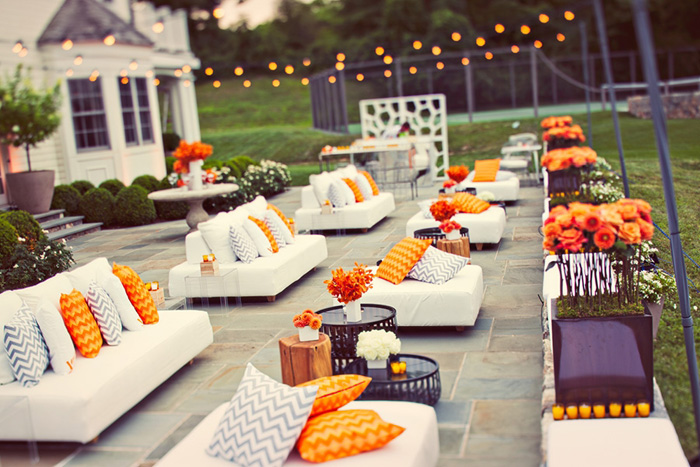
x=685 y=105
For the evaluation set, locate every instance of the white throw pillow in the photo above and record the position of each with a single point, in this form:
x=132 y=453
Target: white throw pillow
x=364 y=186
x=344 y=188
x=50 y=289
x=80 y=277
x=114 y=288
x=257 y=207
x=59 y=342
x=321 y=183
x=336 y=196
x=215 y=234
x=10 y=303
x=286 y=233
x=262 y=244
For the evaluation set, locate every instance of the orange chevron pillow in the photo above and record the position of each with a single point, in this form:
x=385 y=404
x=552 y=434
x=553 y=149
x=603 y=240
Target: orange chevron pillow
x=81 y=324
x=138 y=294
x=336 y=391
x=465 y=202
x=268 y=234
x=372 y=183
x=355 y=190
x=401 y=258
x=486 y=170
x=344 y=433
x=282 y=216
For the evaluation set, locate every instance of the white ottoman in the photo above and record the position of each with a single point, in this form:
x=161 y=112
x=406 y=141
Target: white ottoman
x=486 y=227
x=505 y=188
x=418 y=446
x=454 y=303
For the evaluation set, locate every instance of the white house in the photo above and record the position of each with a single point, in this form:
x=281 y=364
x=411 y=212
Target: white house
x=124 y=68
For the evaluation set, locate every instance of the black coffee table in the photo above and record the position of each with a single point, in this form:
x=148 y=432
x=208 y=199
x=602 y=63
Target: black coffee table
x=435 y=234
x=344 y=335
x=420 y=383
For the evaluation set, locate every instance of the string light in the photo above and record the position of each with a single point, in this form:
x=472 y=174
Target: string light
x=439 y=65
x=331 y=79
x=178 y=72
x=186 y=83
x=436 y=50
x=158 y=27
x=276 y=83
x=480 y=41
x=238 y=71
x=149 y=74
x=465 y=61
x=561 y=37
x=538 y=44
x=305 y=81
x=272 y=66
x=94 y=75
x=417 y=45
x=387 y=73
x=339 y=66
x=488 y=55
x=360 y=77
x=125 y=80
x=456 y=36
x=156 y=82
x=289 y=69
x=17 y=48
x=123 y=72
x=186 y=69
x=69 y=72
x=247 y=83
x=209 y=71
x=133 y=65
x=23 y=53
x=515 y=49
x=218 y=13
x=569 y=15
x=413 y=70
x=388 y=59
x=525 y=29
x=109 y=40
x=67 y=44
x=306 y=62
x=379 y=51
x=499 y=28
x=216 y=84
x=78 y=60
x=340 y=57
x=544 y=19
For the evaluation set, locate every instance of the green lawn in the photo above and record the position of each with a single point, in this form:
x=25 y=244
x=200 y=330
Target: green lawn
x=275 y=123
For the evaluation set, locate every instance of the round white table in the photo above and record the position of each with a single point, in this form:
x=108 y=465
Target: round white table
x=194 y=199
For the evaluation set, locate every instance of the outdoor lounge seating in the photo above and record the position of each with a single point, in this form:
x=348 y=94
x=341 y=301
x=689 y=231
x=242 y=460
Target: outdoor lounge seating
x=485 y=227
x=505 y=188
x=418 y=446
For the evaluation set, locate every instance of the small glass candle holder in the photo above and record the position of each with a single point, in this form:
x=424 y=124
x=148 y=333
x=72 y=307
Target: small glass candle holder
x=558 y=411
x=643 y=407
x=212 y=257
x=205 y=258
x=584 y=410
x=630 y=409
x=154 y=285
x=599 y=410
x=615 y=409
x=572 y=411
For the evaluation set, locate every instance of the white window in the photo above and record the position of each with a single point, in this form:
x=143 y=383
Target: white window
x=89 y=121
x=136 y=111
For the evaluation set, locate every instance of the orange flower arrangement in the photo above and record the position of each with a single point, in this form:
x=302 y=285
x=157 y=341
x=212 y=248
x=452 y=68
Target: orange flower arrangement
x=457 y=173
x=449 y=183
x=350 y=286
x=561 y=159
x=442 y=210
x=568 y=132
x=186 y=153
x=308 y=318
x=556 y=122
x=449 y=226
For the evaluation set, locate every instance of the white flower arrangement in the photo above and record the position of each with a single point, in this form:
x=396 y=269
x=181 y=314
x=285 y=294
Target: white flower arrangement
x=486 y=196
x=377 y=344
x=654 y=285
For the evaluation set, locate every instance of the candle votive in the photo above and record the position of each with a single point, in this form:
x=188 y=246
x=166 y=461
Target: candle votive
x=584 y=410
x=212 y=257
x=154 y=285
x=558 y=411
x=599 y=410
x=572 y=411
x=205 y=258
x=615 y=409
x=643 y=407
x=630 y=409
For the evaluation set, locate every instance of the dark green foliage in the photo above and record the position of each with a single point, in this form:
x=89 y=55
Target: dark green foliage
x=83 y=186
x=149 y=182
x=25 y=225
x=170 y=141
x=97 y=205
x=170 y=211
x=242 y=162
x=133 y=207
x=66 y=197
x=169 y=163
x=8 y=241
x=212 y=164
x=29 y=266
x=235 y=171
x=112 y=185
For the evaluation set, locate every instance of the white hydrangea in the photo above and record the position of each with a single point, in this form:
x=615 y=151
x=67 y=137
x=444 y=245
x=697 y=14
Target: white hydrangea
x=377 y=344
x=486 y=196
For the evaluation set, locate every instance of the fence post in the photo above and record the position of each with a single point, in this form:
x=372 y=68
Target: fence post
x=511 y=71
x=633 y=68
x=399 y=77
x=314 y=102
x=586 y=77
x=343 y=102
x=430 y=80
x=533 y=77
x=470 y=88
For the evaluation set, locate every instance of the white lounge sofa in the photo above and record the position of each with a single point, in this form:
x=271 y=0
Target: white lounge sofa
x=505 y=188
x=485 y=227
x=418 y=446
x=361 y=216
x=454 y=303
x=78 y=406
x=264 y=277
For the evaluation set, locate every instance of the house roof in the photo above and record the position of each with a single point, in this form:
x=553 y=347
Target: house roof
x=89 y=20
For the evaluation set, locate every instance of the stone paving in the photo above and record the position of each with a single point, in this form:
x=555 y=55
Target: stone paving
x=489 y=412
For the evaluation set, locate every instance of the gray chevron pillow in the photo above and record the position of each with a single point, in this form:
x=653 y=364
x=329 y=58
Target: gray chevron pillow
x=241 y=244
x=437 y=266
x=262 y=422
x=25 y=347
x=105 y=312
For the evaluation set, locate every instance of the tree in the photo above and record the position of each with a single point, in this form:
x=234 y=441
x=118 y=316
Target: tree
x=27 y=116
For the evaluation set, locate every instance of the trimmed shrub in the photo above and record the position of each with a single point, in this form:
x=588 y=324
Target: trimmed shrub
x=97 y=205
x=112 y=185
x=8 y=241
x=133 y=207
x=169 y=163
x=170 y=141
x=25 y=225
x=83 y=186
x=66 y=197
x=149 y=182
x=170 y=211
x=242 y=162
x=234 y=171
x=212 y=163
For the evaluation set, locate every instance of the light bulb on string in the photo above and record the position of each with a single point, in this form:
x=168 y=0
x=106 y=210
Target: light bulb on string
x=379 y=51
x=456 y=36
x=439 y=65
x=561 y=37
x=569 y=15
x=340 y=66
x=186 y=69
x=480 y=41
x=413 y=70
x=488 y=55
x=305 y=81
x=306 y=62
x=133 y=65
x=436 y=50
x=499 y=28
x=340 y=57
x=417 y=45
x=218 y=13
x=544 y=19
x=216 y=84
x=276 y=83
x=23 y=53
x=124 y=72
x=158 y=27
x=272 y=66
x=69 y=72
x=124 y=80
x=247 y=83
x=17 y=48
x=78 y=60
x=177 y=73
x=465 y=61
x=109 y=40
x=538 y=44
x=525 y=29
x=186 y=83
x=515 y=49
x=387 y=73
x=289 y=69
x=149 y=74
x=208 y=71
x=331 y=79
x=67 y=44
x=238 y=71
x=156 y=82
x=388 y=59
x=360 y=77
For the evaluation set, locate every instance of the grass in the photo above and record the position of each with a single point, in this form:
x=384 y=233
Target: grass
x=275 y=123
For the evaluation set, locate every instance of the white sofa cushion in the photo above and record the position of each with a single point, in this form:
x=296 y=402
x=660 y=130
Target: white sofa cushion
x=362 y=215
x=51 y=289
x=336 y=196
x=262 y=244
x=485 y=227
x=505 y=188
x=215 y=232
x=344 y=188
x=10 y=302
x=271 y=220
x=320 y=184
x=58 y=340
x=80 y=277
x=25 y=348
x=364 y=186
x=257 y=207
x=281 y=225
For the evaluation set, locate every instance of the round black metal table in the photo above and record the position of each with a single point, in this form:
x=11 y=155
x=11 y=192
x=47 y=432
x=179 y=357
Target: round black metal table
x=435 y=234
x=344 y=335
x=420 y=383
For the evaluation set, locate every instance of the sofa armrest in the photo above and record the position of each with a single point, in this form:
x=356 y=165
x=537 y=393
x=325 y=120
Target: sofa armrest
x=195 y=247
x=308 y=198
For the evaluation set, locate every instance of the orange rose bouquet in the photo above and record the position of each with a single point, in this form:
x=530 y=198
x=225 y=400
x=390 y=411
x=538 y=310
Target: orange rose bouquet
x=308 y=318
x=186 y=152
x=564 y=137
x=449 y=183
x=556 y=122
x=457 y=173
x=349 y=286
x=449 y=226
x=564 y=158
x=442 y=210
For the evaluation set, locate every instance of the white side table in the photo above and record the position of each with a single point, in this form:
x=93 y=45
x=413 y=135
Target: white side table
x=223 y=286
x=15 y=410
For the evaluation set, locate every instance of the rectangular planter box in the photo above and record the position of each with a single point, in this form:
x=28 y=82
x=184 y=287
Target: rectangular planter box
x=603 y=359
x=564 y=181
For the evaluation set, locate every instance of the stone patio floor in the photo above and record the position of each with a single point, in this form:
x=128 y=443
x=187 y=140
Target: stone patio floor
x=489 y=412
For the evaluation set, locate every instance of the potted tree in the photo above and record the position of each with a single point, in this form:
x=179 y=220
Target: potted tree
x=27 y=117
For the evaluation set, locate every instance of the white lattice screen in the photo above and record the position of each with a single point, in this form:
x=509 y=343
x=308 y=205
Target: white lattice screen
x=427 y=115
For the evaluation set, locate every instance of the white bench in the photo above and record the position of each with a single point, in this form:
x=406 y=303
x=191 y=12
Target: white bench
x=485 y=227
x=506 y=187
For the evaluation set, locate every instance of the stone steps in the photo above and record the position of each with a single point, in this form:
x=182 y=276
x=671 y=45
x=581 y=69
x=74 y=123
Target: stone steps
x=61 y=227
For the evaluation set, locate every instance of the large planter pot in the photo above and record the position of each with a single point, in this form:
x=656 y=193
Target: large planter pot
x=563 y=181
x=603 y=359
x=31 y=191
x=654 y=309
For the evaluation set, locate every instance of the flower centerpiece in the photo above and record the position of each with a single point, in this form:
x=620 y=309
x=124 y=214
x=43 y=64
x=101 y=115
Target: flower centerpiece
x=443 y=211
x=190 y=157
x=564 y=137
x=457 y=173
x=376 y=346
x=308 y=323
x=348 y=287
x=556 y=122
x=565 y=167
x=449 y=186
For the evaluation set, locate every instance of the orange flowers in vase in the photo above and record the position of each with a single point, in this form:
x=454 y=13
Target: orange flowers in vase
x=457 y=173
x=187 y=152
x=556 y=122
x=449 y=226
x=564 y=158
x=308 y=323
x=442 y=210
x=351 y=285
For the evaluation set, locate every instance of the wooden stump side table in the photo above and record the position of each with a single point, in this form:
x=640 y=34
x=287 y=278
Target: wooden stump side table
x=304 y=361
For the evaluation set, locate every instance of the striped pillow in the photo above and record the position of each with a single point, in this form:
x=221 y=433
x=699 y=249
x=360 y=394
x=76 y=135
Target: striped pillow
x=470 y=204
x=401 y=258
x=372 y=183
x=364 y=186
x=437 y=266
x=266 y=231
x=105 y=312
x=138 y=294
x=242 y=244
x=80 y=323
x=355 y=190
x=25 y=348
x=486 y=170
x=271 y=220
x=283 y=218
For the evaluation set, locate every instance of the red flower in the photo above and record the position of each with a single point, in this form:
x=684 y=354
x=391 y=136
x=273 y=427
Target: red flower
x=449 y=226
x=604 y=238
x=442 y=210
